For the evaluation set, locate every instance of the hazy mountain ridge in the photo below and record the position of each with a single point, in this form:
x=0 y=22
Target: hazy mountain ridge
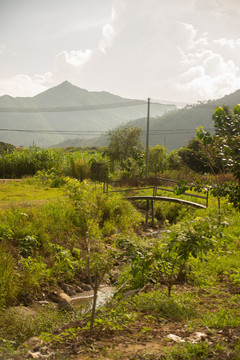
x=175 y=128
x=169 y=126
x=63 y=96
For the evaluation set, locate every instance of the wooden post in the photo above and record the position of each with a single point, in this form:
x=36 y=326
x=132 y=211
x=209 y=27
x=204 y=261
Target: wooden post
x=146 y=221
x=152 y=214
x=147 y=140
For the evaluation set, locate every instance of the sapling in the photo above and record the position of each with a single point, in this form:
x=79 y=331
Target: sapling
x=192 y=239
x=98 y=263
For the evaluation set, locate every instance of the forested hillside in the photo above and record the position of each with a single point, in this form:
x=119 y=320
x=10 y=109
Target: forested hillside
x=173 y=129
x=81 y=113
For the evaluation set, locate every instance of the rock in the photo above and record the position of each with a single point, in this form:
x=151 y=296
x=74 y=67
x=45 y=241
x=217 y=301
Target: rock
x=39 y=355
x=225 y=223
x=175 y=338
x=131 y=292
x=69 y=289
x=65 y=306
x=53 y=296
x=197 y=337
x=21 y=310
x=35 y=355
x=64 y=296
x=60 y=299
x=194 y=338
x=114 y=275
x=43 y=302
x=78 y=289
x=86 y=287
x=33 y=343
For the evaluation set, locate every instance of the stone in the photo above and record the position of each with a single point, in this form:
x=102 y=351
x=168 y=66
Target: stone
x=86 y=287
x=69 y=289
x=130 y=293
x=64 y=296
x=175 y=338
x=65 y=306
x=21 y=310
x=43 y=302
x=33 y=343
x=78 y=289
x=114 y=275
x=197 y=337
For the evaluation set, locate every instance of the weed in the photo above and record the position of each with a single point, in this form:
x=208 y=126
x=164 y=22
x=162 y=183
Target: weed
x=189 y=351
x=157 y=304
x=9 y=279
x=222 y=318
x=34 y=275
x=18 y=327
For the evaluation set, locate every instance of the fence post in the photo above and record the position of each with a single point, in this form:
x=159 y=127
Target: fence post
x=152 y=214
x=146 y=220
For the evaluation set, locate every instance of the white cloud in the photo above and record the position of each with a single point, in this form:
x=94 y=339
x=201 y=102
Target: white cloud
x=206 y=72
x=67 y=65
x=230 y=43
x=108 y=37
x=119 y=7
x=75 y=58
x=20 y=85
x=2 y=48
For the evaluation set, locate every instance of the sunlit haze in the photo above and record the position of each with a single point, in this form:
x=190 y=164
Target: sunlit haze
x=178 y=50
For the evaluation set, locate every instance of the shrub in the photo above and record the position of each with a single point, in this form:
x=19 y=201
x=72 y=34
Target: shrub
x=34 y=274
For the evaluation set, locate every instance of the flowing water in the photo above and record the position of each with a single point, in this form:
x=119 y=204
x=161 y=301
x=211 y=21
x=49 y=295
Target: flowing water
x=85 y=299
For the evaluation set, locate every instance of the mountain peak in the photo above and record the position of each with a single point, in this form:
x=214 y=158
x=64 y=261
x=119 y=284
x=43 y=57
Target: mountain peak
x=66 y=84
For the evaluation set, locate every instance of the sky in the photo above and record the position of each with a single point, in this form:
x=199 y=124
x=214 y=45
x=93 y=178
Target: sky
x=172 y=50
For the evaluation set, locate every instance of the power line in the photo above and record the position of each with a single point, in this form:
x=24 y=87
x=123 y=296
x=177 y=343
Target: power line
x=96 y=107
x=75 y=108
x=157 y=132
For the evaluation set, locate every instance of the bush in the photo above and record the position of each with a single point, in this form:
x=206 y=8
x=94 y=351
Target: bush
x=34 y=274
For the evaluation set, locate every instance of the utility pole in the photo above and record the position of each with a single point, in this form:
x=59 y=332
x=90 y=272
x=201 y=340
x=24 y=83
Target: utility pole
x=147 y=140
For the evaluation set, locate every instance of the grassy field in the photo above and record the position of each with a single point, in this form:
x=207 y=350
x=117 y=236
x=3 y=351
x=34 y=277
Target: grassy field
x=188 y=252
x=16 y=193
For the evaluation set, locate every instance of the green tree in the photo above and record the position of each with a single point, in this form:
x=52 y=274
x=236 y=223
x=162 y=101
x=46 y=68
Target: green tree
x=210 y=156
x=193 y=239
x=174 y=162
x=89 y=204
x=157 y=159
x=124 y=144
x=194 y=156
x=227 y=127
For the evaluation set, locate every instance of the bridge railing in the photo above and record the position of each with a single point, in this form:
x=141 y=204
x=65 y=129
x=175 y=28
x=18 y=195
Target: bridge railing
x=154 y=187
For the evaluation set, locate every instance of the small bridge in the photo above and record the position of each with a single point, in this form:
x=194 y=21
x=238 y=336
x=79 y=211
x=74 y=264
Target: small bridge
x=167 y=198
x=155 y=196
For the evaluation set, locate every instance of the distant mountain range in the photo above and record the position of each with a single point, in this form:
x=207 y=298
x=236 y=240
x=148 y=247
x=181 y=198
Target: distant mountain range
x=66 y=115
x=66 y=111
x=175 y=128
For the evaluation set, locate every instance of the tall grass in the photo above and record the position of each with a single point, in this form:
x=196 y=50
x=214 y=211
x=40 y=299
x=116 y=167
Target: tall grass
x=41 y=246
x=28 y=161
x=8 y=278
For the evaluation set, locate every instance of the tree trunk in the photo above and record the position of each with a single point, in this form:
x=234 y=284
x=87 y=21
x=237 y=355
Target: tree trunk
x=95 y=291
x=219 y=209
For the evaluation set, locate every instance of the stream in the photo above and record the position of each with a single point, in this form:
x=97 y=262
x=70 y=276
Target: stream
x=85 y=299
